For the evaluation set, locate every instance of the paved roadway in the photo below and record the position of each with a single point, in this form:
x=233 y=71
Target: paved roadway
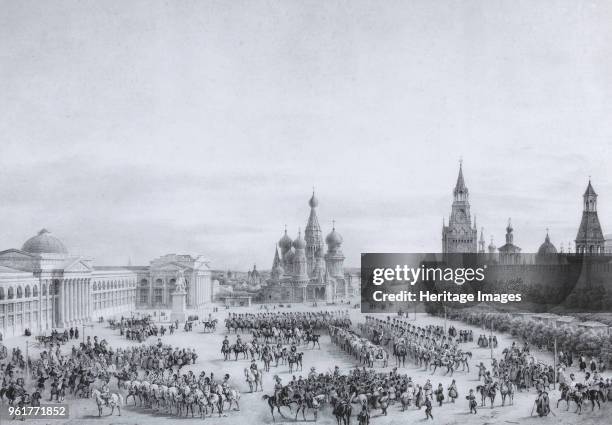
x=256 y=411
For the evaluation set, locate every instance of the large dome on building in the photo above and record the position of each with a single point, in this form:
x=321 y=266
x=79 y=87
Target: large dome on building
x=547 y=248
x=44 y=243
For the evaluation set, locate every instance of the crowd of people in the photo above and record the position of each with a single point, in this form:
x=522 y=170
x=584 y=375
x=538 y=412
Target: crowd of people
x=365 y=388
x=152 y=374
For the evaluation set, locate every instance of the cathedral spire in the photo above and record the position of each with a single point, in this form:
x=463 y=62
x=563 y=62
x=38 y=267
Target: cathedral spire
x=314 y=237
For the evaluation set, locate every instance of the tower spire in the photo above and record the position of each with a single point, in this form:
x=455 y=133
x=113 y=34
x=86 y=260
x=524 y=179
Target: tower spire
x=460 y=186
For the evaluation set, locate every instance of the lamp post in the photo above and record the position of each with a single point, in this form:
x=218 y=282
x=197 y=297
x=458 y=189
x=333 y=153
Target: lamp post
x=491 y=334
x=555 y=360
x=27 y=355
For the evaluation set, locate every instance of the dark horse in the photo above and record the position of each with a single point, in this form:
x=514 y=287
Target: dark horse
x=278 y=402
x=342 y=412
x=489 y=391
x=314 y=338
x=399 y=351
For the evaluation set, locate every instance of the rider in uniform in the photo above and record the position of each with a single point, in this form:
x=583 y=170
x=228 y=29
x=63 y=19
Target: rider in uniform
x=105 y=392
x=278 y=386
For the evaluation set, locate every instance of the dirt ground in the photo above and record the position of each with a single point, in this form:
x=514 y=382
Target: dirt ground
x=253 y=410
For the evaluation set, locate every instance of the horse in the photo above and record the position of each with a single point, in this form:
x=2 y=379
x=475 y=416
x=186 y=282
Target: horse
x=254 y=378
x=240 y=348
x=210 y=325
x=400 y=352
x=132 y=387
x=114 y=400
x=342 y=412
x=83 y=389
x=275 y=401
x=463 y=361
x=214 y=400
x=314 y=403
x=443 y=362
x=11 y=393
x=314 y=338
x=594 y=395
x=232 y=396
x=489 y=391
x=295 y=359
x=59 y=392
x=267 y=359
x=507 y=390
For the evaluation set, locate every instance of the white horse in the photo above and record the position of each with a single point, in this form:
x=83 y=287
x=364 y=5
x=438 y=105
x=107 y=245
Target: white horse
x=214 y=400
x=114 y=400
x=254 y=379
x=232 y=396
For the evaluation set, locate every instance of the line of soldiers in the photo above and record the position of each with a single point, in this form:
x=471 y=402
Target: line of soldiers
x=288 y=320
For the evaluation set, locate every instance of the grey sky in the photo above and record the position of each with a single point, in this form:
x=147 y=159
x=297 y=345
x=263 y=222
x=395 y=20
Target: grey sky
x=138 y=128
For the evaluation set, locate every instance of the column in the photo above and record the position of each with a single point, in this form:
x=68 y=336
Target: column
x=75 y=284
x=82 y=315
x=73 y=301
x=88 y=300
x=79 y=299
x=64 y=301
x=70 y=300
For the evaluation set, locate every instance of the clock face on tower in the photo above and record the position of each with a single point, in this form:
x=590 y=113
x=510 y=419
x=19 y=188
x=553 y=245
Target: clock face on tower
x=460 y=216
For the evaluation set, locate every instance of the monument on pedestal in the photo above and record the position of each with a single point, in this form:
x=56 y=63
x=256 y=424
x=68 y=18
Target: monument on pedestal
x=178 y=300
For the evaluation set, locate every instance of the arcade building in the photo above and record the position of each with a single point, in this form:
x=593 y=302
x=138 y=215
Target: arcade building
x=43 y=286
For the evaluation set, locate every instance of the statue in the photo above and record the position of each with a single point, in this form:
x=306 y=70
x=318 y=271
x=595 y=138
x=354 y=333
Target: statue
x=178 y=299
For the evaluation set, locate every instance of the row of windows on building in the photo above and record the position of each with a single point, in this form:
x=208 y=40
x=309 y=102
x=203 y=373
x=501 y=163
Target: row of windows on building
x=32 y=291
x=115 y=284
x=113 y=299
x=20 y=292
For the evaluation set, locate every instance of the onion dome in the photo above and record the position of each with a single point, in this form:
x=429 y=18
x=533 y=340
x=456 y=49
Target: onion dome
x=299 y=242
x=313 y=202
x=285 y=242
x=44 y=243
x=492 y=246
x=509 y=228
x=334 y=238
x=547 y=248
